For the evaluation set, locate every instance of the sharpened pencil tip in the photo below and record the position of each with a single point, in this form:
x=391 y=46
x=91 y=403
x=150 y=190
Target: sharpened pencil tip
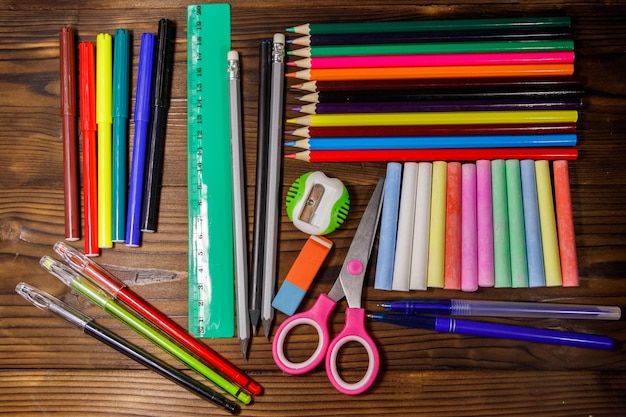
x=291 y=75
x=291 y=156
x=244 y=347
x=267 y=324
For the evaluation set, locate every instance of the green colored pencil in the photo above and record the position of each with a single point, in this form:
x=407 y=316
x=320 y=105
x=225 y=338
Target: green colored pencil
x=428 y=25
x=434 y=48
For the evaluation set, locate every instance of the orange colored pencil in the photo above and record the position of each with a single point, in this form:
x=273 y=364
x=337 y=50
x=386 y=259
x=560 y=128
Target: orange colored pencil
x=461 y=71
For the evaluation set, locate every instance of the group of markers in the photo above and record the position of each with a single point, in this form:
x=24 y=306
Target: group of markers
x=467 y=114
x=117 y=207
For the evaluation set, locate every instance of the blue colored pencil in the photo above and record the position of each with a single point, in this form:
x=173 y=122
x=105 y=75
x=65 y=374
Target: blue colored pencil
x=434 y=142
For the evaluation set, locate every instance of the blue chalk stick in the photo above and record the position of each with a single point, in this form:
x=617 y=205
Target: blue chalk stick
x=388 y=227
x=288 y=298
x=534 y=248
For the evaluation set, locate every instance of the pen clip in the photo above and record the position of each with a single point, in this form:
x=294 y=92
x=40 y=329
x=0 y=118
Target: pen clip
x=47 y=302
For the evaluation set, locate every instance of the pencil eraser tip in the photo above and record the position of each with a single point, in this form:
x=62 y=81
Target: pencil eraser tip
x=233 y=55
x=279 y=38
x=288 y=298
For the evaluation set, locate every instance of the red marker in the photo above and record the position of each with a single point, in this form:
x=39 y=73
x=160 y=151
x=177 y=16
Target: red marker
x=87 y=76
x=122 y=292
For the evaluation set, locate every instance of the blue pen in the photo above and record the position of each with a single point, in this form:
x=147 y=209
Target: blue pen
x=142 y=121
x=452 y=307
x=504 y=331
x=121 y=98
x=434 y=142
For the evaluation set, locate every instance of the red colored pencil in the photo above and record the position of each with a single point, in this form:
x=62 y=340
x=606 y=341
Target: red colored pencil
x=434 y=130
x=88 y=125
x=467 y=154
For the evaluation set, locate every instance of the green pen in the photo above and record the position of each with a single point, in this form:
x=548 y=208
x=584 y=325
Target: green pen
x=121 y=98
x=99 y=298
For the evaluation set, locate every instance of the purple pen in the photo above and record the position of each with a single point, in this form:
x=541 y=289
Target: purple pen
x=143 y=108
x=503 y=331
x=451 y=307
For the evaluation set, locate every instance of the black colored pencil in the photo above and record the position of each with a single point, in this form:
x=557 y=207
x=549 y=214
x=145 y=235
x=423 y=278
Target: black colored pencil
x=539 y=33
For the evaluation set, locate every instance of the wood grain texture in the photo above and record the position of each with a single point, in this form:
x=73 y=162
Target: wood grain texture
x=49 y=368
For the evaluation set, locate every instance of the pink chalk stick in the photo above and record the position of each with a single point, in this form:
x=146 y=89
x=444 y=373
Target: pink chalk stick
x=484 y=223
x=452 y=265
x=469 y=229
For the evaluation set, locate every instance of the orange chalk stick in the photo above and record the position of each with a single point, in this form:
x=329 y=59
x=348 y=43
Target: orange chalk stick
x=452 y=263
x=565 y=224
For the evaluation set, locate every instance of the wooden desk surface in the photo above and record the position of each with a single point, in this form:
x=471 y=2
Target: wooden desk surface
x=48 y=367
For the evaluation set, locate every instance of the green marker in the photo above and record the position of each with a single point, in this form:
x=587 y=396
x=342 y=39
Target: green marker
x=97 y=297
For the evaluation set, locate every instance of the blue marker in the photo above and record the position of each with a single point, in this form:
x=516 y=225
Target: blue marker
x=143 y=107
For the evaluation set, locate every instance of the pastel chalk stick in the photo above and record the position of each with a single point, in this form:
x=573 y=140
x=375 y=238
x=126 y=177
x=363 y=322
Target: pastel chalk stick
x=383 y=279
x=469 y=229
x=484 y=223
x=565 y=224
x=534 y=250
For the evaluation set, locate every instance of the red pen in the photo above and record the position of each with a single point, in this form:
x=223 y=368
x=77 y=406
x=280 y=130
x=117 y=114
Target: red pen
x=87 y=71
x=122 y=292
x=67 y=80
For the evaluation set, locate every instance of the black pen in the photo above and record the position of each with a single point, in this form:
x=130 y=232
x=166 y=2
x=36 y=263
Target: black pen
x=47 y=302
x=158 y=120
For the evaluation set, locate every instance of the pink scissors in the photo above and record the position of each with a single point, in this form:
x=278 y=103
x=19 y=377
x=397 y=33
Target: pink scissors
x=349 y=284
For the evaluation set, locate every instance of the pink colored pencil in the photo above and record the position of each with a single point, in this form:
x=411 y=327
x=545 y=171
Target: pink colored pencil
x=484 y=223
x=434 y=60
x=565 y=224
x=452 y=264
x=469 y=229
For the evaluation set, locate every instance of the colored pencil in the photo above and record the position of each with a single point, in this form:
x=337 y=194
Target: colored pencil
x=434 y=142
x=434 y=60
x=67 y=87
x=451 y=85
x=434 y=48
x=429 y=25
x=466 y=154
x=434 y=130
x=565 y=224
x=573 y=103
x=460 y=71
x=437 y=118
x=452 y=241
x=88 y=127
x=434 y=36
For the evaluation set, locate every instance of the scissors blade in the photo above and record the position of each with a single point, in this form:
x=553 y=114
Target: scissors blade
x=352 y=272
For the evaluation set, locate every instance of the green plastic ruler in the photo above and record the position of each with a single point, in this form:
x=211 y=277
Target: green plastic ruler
x=211 y=304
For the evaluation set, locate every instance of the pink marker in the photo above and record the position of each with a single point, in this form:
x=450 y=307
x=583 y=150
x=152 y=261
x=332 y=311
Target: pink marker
x=484 y=223
x=469 y=232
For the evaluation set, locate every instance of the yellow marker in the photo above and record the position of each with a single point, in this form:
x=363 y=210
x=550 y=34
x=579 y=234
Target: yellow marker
x=437 y=242
x=547 y=223
x=104 y=119
x=437 y=118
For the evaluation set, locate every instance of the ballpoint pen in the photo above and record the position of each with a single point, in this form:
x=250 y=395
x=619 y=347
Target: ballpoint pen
x=504 y=331
x=98 y=297
x=121 y=109
x=47 y=302
x=452 y=307
x=117 y=289
x=239 y=202
x=104 y=119
x=88 y=128
x=158 y=119
x=70 y=147
x=273 y=182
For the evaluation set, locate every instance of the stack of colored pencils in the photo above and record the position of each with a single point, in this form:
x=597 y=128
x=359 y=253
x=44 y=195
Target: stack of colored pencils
x=436 y=90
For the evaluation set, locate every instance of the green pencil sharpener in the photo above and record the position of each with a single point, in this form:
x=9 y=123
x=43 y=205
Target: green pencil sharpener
x=316 y=204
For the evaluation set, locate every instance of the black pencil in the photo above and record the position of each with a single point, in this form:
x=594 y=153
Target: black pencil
x=540 y=33
x=261 y=183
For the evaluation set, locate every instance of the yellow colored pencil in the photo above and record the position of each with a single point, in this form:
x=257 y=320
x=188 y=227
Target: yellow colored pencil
x=437 y=241
x=104 y=119
x=437 y=118
x=547 y=223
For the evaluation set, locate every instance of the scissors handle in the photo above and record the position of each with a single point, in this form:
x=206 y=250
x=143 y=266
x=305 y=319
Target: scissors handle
x=316 y=317
x=354 y=331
